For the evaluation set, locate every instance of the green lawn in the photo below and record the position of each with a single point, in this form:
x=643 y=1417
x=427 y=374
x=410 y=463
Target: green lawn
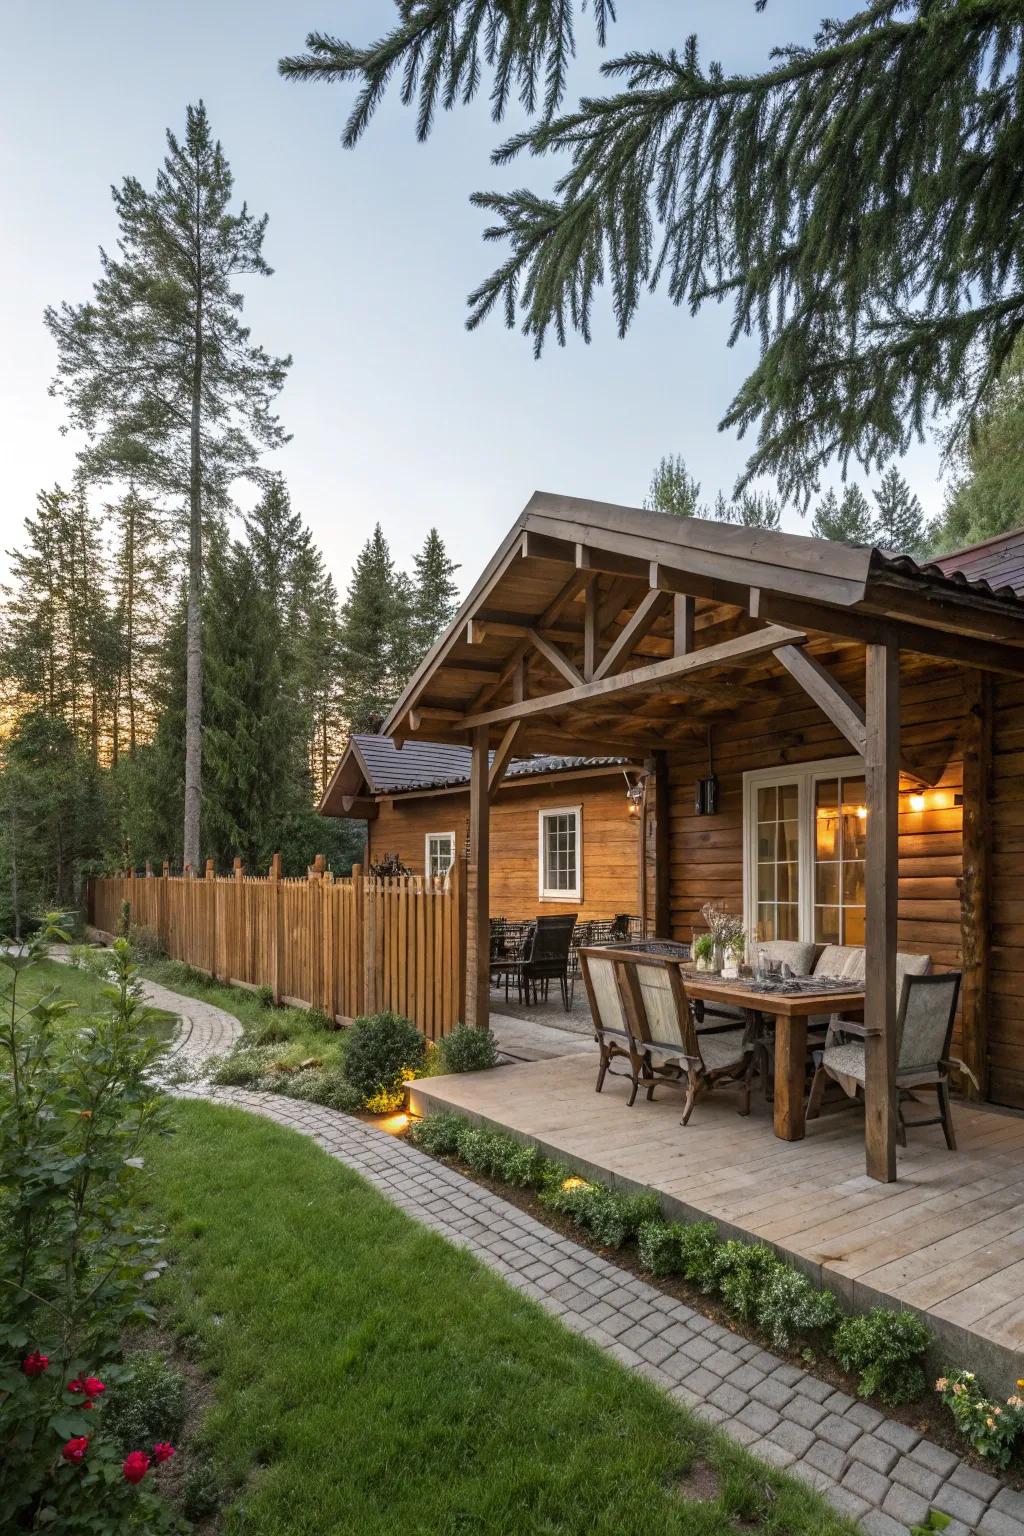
x=292 y=1029
x=370 y=1378
x=80 y=987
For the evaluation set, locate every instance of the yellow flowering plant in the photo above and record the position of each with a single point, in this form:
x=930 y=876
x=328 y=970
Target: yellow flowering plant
x=992 y=1427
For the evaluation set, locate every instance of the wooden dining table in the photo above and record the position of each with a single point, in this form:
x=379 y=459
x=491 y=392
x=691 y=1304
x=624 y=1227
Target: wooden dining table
x=790 y=1011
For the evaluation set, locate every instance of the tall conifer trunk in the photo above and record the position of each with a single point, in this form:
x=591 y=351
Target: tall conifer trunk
x=194 y=613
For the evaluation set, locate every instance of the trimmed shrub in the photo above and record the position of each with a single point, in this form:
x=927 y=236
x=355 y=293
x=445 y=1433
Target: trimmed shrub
x=468 y=1049
x=148 y=1404
x=320 y=1085
x=437 y=1134
x=698 y=1255
x=742 y=1270
x=658 y=1247
x=382 y=1052
x=610 y=1217
x=789 y=1306
x=886 y=1349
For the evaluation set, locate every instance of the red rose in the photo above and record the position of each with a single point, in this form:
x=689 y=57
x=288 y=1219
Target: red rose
x=135 y=1467
x=35 y=1363
x=94 y=1387
x=162 y=1452
x=77 y=1385
x=74 y=1451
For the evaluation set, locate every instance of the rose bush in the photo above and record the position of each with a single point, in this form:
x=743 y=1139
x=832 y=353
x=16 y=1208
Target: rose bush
x=76 y=1109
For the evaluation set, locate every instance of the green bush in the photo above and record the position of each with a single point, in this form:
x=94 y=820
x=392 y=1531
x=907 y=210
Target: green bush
x=243 y=1067
x=789 y=1306
x=265 y=997
x=315 y=1018
x=741 y=1271
x=886 y=1350
x=381 y=1052
x=611 y=1218
x=698 y=1254
x=323 y=1085
x=148 y=1403
x=468 y=1049
x=437 y=1134
x=658 y=1247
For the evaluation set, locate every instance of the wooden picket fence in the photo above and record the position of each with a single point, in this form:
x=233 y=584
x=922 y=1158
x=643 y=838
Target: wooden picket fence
x=347 y=947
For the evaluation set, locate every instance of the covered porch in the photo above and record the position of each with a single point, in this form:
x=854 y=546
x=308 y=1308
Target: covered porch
x=708 y=652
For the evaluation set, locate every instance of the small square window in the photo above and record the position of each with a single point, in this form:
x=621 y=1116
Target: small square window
x=560 y=855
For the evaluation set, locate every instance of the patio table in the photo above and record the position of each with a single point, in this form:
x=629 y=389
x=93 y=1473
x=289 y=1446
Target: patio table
x=790 y=1010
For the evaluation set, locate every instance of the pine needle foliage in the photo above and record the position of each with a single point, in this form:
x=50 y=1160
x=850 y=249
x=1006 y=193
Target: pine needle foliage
x=858 y=203
x=440 y=48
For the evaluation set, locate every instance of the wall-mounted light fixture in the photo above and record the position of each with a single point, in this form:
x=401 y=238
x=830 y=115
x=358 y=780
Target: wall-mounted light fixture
x=636 y=792
x=706 y=801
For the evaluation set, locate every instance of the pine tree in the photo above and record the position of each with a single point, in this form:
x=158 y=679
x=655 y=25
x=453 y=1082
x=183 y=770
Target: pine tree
x=256 y=780
x=673 y=489
x=375 y=635
x=900 y=523
x=986 y=496
x=142 y=568
x=434 y=596
x=750 y=509
x=848 y=521
x=858 y=201
x=160 y=372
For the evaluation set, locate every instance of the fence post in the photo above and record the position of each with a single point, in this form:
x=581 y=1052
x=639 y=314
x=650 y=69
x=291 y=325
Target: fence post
x=211 y=905
x=163 y=928
x=276 y=923
x=358 y=948
x=461 y=918
x=329 y=905
x=370 y=944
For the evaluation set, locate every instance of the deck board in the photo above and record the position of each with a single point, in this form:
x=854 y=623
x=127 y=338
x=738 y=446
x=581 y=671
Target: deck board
x=947 y=1238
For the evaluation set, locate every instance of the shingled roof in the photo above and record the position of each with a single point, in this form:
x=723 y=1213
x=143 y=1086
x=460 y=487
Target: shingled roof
x=384 y=770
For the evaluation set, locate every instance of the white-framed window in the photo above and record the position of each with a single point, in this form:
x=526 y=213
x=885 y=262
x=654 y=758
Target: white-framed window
x=560 y=853
x=804 y=831
x=440 y=852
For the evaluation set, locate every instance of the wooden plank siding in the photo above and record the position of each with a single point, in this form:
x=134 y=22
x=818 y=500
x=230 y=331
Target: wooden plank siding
x=786 y=728
x=1005 y=1039
x=610 y=842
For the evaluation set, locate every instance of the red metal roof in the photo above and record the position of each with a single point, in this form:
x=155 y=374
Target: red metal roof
x=997 y=562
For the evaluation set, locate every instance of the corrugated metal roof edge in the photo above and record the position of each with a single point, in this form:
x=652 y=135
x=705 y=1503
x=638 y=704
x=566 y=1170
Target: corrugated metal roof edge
x=906 y=565
x=518 y=768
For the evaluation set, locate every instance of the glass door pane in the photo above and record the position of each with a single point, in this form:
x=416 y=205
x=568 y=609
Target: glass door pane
x=840 y=835
x=777 y=856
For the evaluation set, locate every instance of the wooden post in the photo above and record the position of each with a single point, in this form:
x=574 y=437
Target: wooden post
x=276 y=925
x=459 y=883
x=881 y=766
x=359 y=942
x=478 y=939
x=682 y=624
x=317 y=868
x=211 y=874
x=149 y=869
x=165 y=876
x=975 y=887
x=590 y=634
x=662 y=849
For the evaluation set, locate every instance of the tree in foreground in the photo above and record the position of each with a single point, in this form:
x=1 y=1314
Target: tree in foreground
x=899 y=520
x=858 y=201
x=162 y=375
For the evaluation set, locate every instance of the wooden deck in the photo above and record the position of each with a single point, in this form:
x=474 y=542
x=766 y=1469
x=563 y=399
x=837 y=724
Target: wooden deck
x=947 y=1239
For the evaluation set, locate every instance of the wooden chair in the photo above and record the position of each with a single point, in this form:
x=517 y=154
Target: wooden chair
x=924 y=1029
x=607 y=1010
x=654 y=1028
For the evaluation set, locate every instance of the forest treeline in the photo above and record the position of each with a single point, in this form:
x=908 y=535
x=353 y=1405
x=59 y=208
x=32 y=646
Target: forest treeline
x=179 y=669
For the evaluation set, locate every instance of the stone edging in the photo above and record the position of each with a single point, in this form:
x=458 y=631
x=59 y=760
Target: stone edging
x=876 y=1471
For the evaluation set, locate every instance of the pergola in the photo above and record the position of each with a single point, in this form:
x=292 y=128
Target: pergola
x=600 y=627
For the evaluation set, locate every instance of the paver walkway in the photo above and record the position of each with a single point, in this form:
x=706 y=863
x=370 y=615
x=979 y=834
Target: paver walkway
x=873 y=1469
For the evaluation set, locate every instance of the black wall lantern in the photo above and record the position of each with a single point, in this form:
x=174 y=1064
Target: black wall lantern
x=706 y=803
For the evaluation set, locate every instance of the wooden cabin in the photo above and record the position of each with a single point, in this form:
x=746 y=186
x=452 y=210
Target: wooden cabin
x=831 y=738
x=566 y=834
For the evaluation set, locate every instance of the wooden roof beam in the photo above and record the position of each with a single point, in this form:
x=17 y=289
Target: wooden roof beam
x=673 y=669
x=502 y=757
x=556 y=659
x=647 y=614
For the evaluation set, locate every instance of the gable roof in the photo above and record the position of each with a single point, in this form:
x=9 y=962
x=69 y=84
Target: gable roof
x=996 y=563
x=373 y=765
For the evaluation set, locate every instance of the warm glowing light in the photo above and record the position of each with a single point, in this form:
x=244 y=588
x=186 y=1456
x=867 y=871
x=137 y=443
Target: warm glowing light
x=575 y=1183
x=862 y=813
x=917 y=802
x=394 y=1125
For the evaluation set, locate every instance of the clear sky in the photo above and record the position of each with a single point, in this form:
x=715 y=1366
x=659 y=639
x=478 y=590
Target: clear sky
x=397 y=413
